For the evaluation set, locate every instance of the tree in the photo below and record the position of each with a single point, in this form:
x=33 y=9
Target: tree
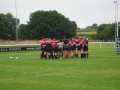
x=50 y=24
x=94 y=26
x=106 y=32
x=23 y=31
x=7 y=26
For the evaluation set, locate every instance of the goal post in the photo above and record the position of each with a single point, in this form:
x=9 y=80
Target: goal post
x=117 y=45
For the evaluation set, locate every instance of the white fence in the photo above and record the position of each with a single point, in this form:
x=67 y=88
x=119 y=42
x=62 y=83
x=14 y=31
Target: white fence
x=28 y=47
x=101 y=43
x=37 y=45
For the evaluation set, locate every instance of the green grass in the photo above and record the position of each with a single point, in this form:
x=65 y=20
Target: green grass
x=101 y=71
x=90 y=35
x=80 y=33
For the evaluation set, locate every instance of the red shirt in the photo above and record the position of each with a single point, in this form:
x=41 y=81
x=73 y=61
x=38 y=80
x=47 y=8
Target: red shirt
x=42 y=42
x=53 y=43
x=81 y=41
x=75 y=40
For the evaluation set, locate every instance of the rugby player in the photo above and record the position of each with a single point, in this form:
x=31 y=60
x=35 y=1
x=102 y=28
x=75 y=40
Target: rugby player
x=42 y=45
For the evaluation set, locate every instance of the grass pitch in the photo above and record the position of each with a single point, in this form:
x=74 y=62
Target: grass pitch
x=101 y=71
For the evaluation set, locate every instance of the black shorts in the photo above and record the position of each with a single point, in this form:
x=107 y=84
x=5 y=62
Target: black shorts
x=71 y=48
x=85 y=48
x=60 y=49
x=49 y=49
x=74 y=47
x=79 y=47
x=42 y=48
x=55 y=49
x=66 y=48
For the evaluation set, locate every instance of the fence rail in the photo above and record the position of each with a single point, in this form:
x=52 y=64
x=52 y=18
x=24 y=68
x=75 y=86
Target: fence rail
x=38 y=45
x=28 y=47
x=102 y=42
x=22 y=45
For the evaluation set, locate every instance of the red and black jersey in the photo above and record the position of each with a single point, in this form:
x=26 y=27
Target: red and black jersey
x=81 y=41
x=53 y=43
x=42 y=42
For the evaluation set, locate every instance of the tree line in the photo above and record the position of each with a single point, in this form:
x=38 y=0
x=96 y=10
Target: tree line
x=107 y=32
x=104 y=32
x=7 y=26
x=49 y=24
x=41 y=24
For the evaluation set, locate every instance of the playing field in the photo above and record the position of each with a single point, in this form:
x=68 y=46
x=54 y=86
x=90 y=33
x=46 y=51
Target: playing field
x=101 y=71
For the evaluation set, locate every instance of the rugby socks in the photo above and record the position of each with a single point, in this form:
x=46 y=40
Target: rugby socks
x=41 y=56
x=52 y=56
x=66 y=56
x=49 y=56
x=56 y=57
x=84 y=55
x=72 y=55
x=76 y=55
x=45 y=56
x=60 y=55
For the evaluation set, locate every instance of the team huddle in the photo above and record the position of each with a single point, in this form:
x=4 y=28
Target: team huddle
x=64 y=48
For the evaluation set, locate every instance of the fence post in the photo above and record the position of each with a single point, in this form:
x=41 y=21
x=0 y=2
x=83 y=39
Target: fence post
x=114 y=45
x=100 y=46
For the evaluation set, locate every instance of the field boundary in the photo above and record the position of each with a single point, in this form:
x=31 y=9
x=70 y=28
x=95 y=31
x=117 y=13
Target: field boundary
x=38 y=45
x=102 y=42
x=30 y=47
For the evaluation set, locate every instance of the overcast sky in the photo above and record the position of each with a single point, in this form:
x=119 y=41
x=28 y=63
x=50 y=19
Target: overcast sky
x=83 y=12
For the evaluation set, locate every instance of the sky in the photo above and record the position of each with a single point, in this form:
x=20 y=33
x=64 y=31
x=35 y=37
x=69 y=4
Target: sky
x=83 y=12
